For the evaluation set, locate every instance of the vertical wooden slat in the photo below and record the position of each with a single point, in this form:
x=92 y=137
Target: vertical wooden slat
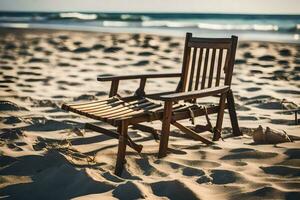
x=205 y=68
x=185 y=63
x=219 y=67
x=142 y=84
x=141 y=90
x=231 y=59
x=212 y=66
x=192 y=69
x=225 y=66
x=198 y=70
x=227 y=58
x=114 y=88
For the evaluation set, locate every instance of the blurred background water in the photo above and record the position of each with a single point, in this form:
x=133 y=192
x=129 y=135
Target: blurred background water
x=282 y=28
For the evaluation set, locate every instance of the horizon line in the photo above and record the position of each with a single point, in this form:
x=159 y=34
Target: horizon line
x=148 y=12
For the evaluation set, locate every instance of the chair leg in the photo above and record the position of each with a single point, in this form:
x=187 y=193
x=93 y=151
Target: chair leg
x=232 y=114
x=163 y=145
x=122 y=129
x=218 y=128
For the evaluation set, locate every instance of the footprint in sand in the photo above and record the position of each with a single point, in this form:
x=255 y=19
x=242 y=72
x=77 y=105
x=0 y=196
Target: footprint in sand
x=165 y=39
x=8 y=57
x=82 y=50
x=6 y=67
x=38 y=60
x=253 y=71
x=10 y=46
x=297 y=61
x=254 y=154
x=63 y=64
x=6 y=81
x=173 y=189
x=63 y=37
x=35 y=68
x=38 y=48
x=240 y=61
x=23 y=52
x=12 y=120
x=10 y=106
x=267 y=58
x=148 y=169
x=285 y=52
x=128 y=190
x=112 y=49
x=146 y=53
x=204 y=179
x=248 y=55
x=223 y=176
x=267 y=192
x=29 y=73
x=283 y=62
x=286 y=171
x=141 y=63
x=293 y=153
x=98 y=46
x=13 y=147
x=12 y=134
x=68 y=83
x=253 y=89
x=190 y=171
x=174 y=44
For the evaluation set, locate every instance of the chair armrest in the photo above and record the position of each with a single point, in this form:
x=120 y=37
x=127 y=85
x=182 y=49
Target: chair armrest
x=137 y=76
x=195 y=94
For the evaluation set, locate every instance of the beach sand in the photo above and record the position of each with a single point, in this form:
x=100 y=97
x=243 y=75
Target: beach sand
x=46 y=153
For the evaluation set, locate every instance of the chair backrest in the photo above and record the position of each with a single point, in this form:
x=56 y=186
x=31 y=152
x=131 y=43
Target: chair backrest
x=207 y=62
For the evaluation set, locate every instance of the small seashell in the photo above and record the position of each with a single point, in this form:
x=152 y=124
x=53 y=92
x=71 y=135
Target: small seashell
x=269 y=136
x=275 y=136
x=259 y=135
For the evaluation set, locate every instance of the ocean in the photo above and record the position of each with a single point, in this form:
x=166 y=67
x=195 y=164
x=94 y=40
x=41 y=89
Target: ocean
x=281 y=28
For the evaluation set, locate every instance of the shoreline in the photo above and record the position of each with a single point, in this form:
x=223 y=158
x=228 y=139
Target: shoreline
x=243 y=35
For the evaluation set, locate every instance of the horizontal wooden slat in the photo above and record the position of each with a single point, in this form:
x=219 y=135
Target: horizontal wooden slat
x=128 y=110
x=91 y=104
x=111 y=108
x=209 y=45
x=211 y=40
x=142 y=110
x=195 y=94
x=138 y=76
x=100 y=107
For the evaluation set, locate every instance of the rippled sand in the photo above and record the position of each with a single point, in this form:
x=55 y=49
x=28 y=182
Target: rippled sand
x=45 y=153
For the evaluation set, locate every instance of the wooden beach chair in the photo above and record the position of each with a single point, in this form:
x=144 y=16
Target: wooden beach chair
x=207 y=70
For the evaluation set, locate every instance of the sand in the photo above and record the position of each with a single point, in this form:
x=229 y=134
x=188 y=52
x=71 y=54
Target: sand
x=46 y=153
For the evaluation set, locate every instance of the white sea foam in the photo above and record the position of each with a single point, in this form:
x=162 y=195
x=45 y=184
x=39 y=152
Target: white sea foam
x=257 y=27
x=211 y=26
x=78 y=16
